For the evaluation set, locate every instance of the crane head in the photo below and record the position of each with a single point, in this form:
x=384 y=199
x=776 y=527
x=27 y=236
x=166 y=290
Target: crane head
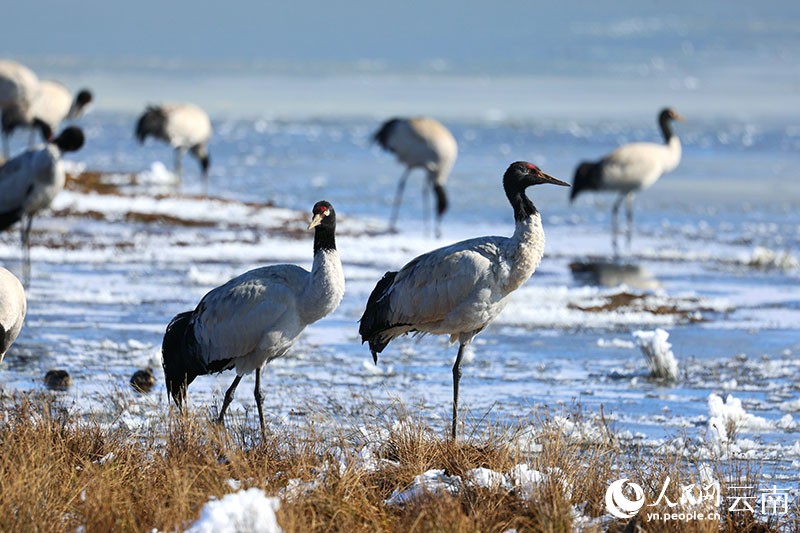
x=523 y=174
x=322 y=213
x=70 y=140
x=670 y=114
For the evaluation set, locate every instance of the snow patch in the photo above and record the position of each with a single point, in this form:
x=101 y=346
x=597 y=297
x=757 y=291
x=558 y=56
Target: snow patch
x=248 y=510
x=430 y=482
x=522 y=479
x=157 y=174
x=487 y=478
x=525 y=480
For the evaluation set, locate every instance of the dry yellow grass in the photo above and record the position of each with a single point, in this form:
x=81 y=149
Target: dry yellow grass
x=59 y=473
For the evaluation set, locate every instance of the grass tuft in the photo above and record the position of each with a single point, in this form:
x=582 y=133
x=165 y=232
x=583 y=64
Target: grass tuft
x=62 y=472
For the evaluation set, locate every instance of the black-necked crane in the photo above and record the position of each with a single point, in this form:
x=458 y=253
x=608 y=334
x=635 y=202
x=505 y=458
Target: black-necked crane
x=12 y=309
x=420 y=142
x=19 y=88
x=254 y=318
x=629 y=169
x=53 y=105
x=459 y=289
x=30 y=181
x=183 y=126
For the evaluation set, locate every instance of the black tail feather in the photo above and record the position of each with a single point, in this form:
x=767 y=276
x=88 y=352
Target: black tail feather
x=9 y=219
x=587 y=177
x=5 y=342
x=384 y=133
x=178 y=349
x=182 y=359
x=375 y=319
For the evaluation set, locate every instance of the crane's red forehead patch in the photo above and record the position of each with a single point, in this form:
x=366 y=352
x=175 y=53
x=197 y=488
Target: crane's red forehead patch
x=531 y=166
x=320 y=210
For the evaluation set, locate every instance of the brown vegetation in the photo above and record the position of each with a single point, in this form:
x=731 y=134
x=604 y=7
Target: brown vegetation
x=60 y=472
x=630 y=302
x=91 y=181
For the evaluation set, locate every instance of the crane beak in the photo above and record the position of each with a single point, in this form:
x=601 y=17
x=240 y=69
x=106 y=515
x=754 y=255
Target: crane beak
x=679 y=117
x=547 y=178
x=315 y=221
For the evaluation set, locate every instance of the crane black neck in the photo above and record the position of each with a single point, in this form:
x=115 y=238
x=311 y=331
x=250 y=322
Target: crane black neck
x=522 y=205
x=666 y=127
x=325 y=236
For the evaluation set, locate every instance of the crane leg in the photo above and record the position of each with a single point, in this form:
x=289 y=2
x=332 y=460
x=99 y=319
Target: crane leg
x=426 y=216
x=25 y=234
x=178 y=163
x=260 y=404
x=228 y=399
x=615 y=225
x=629 y=213
x=398 y=197
x=456 y=380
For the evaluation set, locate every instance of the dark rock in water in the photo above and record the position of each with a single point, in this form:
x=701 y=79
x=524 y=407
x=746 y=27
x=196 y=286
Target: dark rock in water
x=143 y=380
x=604 y=273
x=57 y=380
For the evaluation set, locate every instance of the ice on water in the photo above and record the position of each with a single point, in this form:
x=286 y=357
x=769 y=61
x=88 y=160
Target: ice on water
x=658 y=353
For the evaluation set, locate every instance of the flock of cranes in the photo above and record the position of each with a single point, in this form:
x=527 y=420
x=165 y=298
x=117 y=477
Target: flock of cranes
x=27 y=102
x=254 y=318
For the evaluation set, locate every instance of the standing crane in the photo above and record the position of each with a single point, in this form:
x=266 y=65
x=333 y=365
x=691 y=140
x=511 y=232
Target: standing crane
x=459 y=289
x=182 y=126
x=28 y=184
x=12 y=309
x=54 y=105
x=19 y=89
x=420 y=142
x=630 y=169
x=254 y=318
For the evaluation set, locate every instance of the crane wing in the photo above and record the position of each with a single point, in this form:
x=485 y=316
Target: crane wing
x=53 y=104
x=241 y=313
x=634 y=165
x=433 y=285
x=187 y=125
x=17 y=177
